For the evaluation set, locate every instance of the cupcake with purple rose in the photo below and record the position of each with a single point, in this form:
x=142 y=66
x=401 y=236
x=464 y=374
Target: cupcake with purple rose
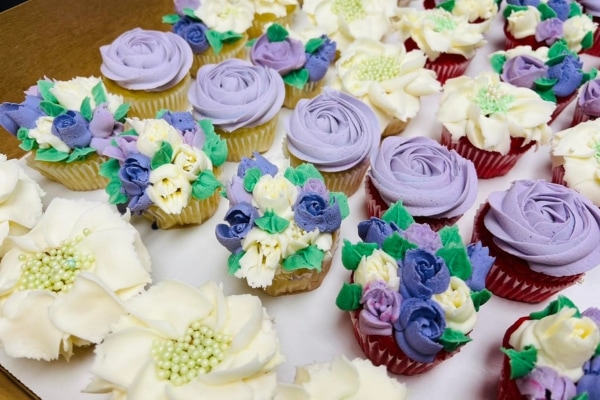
x=66 y=125
x=414 y=294
x=552 y=354
x=281 y=227
x=301 y=65
x=587 y=105
x=164 y=169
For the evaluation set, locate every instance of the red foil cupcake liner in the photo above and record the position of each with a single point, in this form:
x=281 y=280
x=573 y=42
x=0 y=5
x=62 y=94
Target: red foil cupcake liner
x=446 y=66
x=383 y=350
x=561 y=104
x=507 y=388
x=558 y=175
x=488 y=164
x=510 y=276
x=376 y=207
x=579 y=116
x=510 y=42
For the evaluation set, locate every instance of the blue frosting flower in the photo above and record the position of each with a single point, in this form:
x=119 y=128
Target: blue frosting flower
x=195 y=35
x=376 y=230
x=590 y=381
x=72 y=129
x=16 y=115
x=240 y=220
x=569 y=75
x=182 y=23
x=318 y=62
x=312 y=211
x=533 y=3
x=182 y=121
x=482 y=262
x=420 y=324
x=562 y=8
x=258 y=161
x=134 y=174
x=423 y=274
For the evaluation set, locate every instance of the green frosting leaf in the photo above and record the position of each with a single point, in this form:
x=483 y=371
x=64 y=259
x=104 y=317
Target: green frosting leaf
x=547 y=95
x=99 y=93
x=86 y=109
x=51 y=155
x=512 y=8
x=214 y=147
x=546 y=11
x=121 y=112
x=52 y=109
x=205 y=185
x=581 y=396
x=313 y=45
x=44 y=87
x=450 y=236
x=521 y=362
x=588 y=40
x=554 y=307
x=348 y=298
x=497 y=61
x=398 y=215
x=447 y=5
x=309 y=257
x=556 y=60
x=162 y=156
x=588 y=76
x=452 y=339
x=170 y=18
x=230 y=37
x=251 y=178
x=233 y=262
x=27 y=143
x=160 y=113
x=302 y=173
x=342 y=201
x=457 y=261
x=80 y=153
x=190 y=13
x=297 y=78
x=575 y=10
x=353 y=253
x=272 y=223
x=480 y=298
x=251 y=42
x=113 y=189
x=277 y=33
x=396 y=246
x=129 y=132
x=545 y=83
x=216 y=39
x=110 y=168
x=597 y=351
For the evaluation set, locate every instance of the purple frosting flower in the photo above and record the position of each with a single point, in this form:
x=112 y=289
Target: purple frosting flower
x=420 y=325
x=235 y=191
x=423 y=274
x=181 y=4
x=523 y=70
x=134 y=175
x=569 y=75
x=423 y=236
x=312 y=211
x=318 y=62
x=194 y=33
x=122 y=148
x=589 y=98
x=257 y=161
x=542 y=382
x=591 y=7
x=533 y=3
x=562 y=8
x=381 y=308
x=376 y=230
x=482 y=262
x=317 y=186
x=182 y=121
x=549 y=31
x=72 y=129
x=593 y=313
x=16 y=115
x=240 y=220
x=284 y=56
x=590 y=382
x=103 y=127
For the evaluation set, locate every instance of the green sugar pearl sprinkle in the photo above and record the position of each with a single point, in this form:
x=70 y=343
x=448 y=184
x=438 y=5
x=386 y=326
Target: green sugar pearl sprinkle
x=350 y=9
x=54 y=269
x=379 y=68
x=491 y=99
x=195 y=353
x=442 y=20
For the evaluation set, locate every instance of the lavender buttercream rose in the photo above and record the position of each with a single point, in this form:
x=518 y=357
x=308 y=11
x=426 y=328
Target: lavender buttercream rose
x=523 y=70
x=240 y=220
x=236 y=94
x=543 y=381
x=553 y=228
x=334 y=131
x=284 y=56
x=430 y=180
x=146 y=60
x=589 y=98
x=549 y=31
x=423 y=274
x=381 y=308
x=591 y=7
x=72 y=129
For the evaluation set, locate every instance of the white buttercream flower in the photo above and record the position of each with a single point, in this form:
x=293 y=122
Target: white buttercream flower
x=152 y=132
x=279 y=8
x=264 y=254
x=275 y=193
x=226 y=15
x=458 y=306
x=70 y=94
x=378 y=266
x=298 y=239
x=191 y=161
x=489 y=112
x=42 y=133
x=81 y=256
x=575 y=29
x=476 y=9
x=154 y=353
x=563 y=341
x=523 y=23
x=169 y=188
x=541 y=53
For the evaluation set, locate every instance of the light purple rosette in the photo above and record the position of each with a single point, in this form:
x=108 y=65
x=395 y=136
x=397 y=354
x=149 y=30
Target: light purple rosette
x=236 y=94
x=334 y=131
x=553 y=228
x=543 y=381
x=523 y=70
x=381 y=308
x=103 y=128
x=431 y=180
x=589 y=98
x=423 y=236
x=549 y=31
x=146 y=60
x=284 y=56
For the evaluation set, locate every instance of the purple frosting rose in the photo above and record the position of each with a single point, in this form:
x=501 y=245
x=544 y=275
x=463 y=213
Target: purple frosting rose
x=134 y=175
x=235 y=191
x=284 y=56
x=569 y=75
x=589 y=98
x=265 y=166
x=423 y=274
x=549 y=31
x=317 y=186
x=482 y=262
x=122 y=148
x=312 y=211
x=423 y=236
x=20 y=115
x=194 y=33
x=591 y=7
x=523 y=70
x=181 y=4
x=590 y=382
x=553 y=228
x=103 y=127
x=240 y=220
x=72 y=129
x=562 y=8
x=381 y=308
x=544 y=381
x=376 y=230
x=420 y=324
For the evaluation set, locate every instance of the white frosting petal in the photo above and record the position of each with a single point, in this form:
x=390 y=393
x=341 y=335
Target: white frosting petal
x=20 y=196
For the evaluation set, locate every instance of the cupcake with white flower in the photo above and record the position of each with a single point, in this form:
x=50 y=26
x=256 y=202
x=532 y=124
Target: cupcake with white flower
x=178 y=341
x=474 y=10
x=414 y=294
x=281 y=227
x=66 y=125
x=62 y=286
x=164 y=169
x=552 y=353
x=388 y=78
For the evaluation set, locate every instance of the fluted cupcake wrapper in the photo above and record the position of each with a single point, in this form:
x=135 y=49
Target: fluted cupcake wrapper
x=558 y=175
x=510 y=42
x=260 y=21
x=579 y=116
x=394 y=127
x=294 y=94
x=77 y=175
x=507 y=388
x=561 y=104
x=244 y=141
x=235 y=49
x=196 y=212
x=448 y=66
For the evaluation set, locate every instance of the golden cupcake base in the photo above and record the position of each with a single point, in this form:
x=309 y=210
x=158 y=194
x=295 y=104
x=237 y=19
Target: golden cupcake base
x=196 y=212
x=294 y=94
x=79 y=176
x=235 y=49
x=244 y=141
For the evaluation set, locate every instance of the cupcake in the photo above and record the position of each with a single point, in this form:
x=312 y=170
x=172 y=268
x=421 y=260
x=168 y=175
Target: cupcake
x=301 y=65
x=342 y=379
x=587 y=106
x=475 y=11
x=434 y=184
x=335 y=132
x=55 y=274
x=388 y=78
x=66 y=125
x=413 y=294
x=164 y=169
x=544 y=238
x=448 y=41
x=552 y=354
x=182 y=342
x=243 y=102
x=267 y=12
x=217 y=39
x=282 y=226
x=492 y=123
x=554 y=73
x=20 y=202
x=574 y=159
x=539 y=23
x=592 y=9
x=150 y=69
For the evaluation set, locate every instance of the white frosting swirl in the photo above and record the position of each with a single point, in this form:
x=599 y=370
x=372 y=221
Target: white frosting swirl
x=458 y=306
x=575 y=29
x=378 y=266
x=279 y=8
x=70 y=94
x=226 y=15
x=523 y=23
x=475 y=9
